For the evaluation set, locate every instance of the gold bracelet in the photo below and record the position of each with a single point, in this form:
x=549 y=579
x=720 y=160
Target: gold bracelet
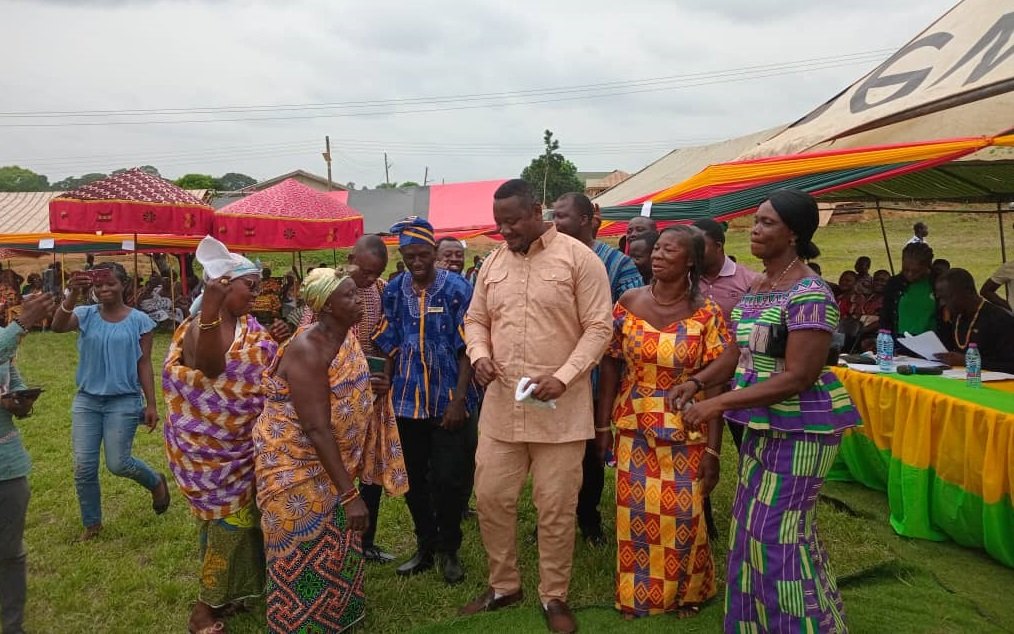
x=212 y=325
x=712 y=452
x=64 y=309
x=603 y=429
x=344 y=500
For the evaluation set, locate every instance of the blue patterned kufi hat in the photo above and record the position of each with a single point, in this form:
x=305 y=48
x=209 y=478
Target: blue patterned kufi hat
x=414 y=230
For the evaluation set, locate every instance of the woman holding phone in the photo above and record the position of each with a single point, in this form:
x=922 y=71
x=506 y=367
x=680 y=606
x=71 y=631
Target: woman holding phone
x=114 y=371
x=16 y=401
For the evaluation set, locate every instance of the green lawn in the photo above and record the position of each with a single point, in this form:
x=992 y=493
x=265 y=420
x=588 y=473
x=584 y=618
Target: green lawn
x=141 y=574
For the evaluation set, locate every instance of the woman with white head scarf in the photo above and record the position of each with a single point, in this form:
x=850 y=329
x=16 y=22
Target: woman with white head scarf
x=212 y=388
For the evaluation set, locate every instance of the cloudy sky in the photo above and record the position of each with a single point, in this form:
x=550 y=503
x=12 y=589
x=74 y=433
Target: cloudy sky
x=464 y=88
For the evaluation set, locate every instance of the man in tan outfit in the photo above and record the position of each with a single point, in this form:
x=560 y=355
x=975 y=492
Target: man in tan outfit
x=541 y=309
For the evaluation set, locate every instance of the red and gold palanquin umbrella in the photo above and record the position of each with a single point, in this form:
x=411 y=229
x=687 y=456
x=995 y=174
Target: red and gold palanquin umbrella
x=288 y=217
x=132 y=201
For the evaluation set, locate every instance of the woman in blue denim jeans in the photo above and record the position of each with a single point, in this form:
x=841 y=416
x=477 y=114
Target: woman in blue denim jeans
x=114 y=370
x=15 y=402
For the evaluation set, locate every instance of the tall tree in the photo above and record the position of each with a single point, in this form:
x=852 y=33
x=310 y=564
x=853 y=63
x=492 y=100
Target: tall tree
x=196 y=181
x=233 y=181
x=550 y=174
x=409 y=184
x=19 y=179
x=73 y=182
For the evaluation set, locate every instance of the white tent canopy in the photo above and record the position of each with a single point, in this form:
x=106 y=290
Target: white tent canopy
x=955 y=79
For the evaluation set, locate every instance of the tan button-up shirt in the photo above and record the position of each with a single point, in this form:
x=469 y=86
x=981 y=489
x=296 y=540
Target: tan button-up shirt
x=544 y=312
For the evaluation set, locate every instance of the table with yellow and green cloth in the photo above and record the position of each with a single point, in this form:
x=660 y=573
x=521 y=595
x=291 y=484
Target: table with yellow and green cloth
x=941 y=450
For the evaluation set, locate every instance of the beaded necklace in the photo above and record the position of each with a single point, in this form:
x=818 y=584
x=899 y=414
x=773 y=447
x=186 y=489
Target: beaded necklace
x=971 y=326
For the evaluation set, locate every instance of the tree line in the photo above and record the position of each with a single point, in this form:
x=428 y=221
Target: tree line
x=14 y=178
x=550 y=175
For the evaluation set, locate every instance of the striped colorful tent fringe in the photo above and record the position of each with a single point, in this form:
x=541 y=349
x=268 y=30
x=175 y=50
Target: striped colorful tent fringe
x=733 y=189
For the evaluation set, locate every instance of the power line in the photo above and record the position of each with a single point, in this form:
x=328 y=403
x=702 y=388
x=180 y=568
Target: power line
x=860 y=56
x=267 y=150
x=649 y=86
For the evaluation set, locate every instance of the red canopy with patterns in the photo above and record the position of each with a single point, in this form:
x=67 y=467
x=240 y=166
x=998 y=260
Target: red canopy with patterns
x=288 y=217
x=132 y=201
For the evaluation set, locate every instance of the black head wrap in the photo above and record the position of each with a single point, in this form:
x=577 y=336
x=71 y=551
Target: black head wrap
x=798 y=210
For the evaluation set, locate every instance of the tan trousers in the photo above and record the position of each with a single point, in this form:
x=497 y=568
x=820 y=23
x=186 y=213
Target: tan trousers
x=501 y=469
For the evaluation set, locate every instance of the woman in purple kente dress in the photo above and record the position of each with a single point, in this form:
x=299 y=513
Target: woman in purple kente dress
x=794 y=410
x=214 y=393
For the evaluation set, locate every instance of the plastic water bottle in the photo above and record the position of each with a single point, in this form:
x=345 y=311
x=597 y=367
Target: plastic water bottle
x=885 y=351
x=973 y=366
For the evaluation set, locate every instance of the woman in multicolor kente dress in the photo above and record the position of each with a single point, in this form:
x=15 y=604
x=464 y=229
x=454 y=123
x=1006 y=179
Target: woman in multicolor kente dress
x=212 y=389
x=794 y=410
x=316 y=436
x=663 y=334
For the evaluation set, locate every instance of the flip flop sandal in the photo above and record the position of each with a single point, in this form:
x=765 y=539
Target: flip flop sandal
x=160 y=506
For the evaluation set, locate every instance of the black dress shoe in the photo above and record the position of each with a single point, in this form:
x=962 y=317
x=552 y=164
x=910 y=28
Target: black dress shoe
x=420 y=562
x=451 y=568
x=595 y=540
x=377 y=555
x=593 y=535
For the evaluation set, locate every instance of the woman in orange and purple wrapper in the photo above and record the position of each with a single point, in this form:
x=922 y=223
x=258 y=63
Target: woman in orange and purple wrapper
x=316 y=435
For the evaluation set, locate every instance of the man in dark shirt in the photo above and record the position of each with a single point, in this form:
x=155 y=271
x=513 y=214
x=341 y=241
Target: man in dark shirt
x=973 y=320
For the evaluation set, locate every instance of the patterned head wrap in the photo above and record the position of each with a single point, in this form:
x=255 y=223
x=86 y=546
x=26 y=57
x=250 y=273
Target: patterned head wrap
x=319 y=284
x=414 y=230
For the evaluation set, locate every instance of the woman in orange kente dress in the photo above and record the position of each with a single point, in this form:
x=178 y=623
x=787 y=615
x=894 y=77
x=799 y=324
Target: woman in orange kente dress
x=662 y=335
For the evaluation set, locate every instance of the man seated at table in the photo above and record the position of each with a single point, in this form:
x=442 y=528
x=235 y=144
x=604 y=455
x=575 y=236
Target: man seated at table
x=971 y=319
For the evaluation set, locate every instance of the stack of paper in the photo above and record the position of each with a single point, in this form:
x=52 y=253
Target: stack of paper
x=927 y=345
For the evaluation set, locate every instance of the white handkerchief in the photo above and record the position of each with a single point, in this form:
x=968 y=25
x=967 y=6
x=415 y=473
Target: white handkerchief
x=523 y=394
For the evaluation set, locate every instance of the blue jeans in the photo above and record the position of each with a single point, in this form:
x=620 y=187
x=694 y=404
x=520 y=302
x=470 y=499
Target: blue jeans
x=109 y=420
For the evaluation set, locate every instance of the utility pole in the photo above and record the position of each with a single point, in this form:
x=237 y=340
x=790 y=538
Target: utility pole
x=327 y=159
x=426 y=176
x=387 y=170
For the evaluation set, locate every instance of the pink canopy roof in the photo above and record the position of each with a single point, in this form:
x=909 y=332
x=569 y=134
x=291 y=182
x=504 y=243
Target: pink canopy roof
x=288 y=216
x=463 y=206
x=132 y=201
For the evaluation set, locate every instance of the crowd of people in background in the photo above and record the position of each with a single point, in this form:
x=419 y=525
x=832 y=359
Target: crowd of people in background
x=294 y=402
x=928 y=295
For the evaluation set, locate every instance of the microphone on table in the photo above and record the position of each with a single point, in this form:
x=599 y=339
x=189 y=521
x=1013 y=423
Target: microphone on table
x=911 y=369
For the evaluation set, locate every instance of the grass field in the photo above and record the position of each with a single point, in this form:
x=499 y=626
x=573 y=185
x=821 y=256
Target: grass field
x=141 y=574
